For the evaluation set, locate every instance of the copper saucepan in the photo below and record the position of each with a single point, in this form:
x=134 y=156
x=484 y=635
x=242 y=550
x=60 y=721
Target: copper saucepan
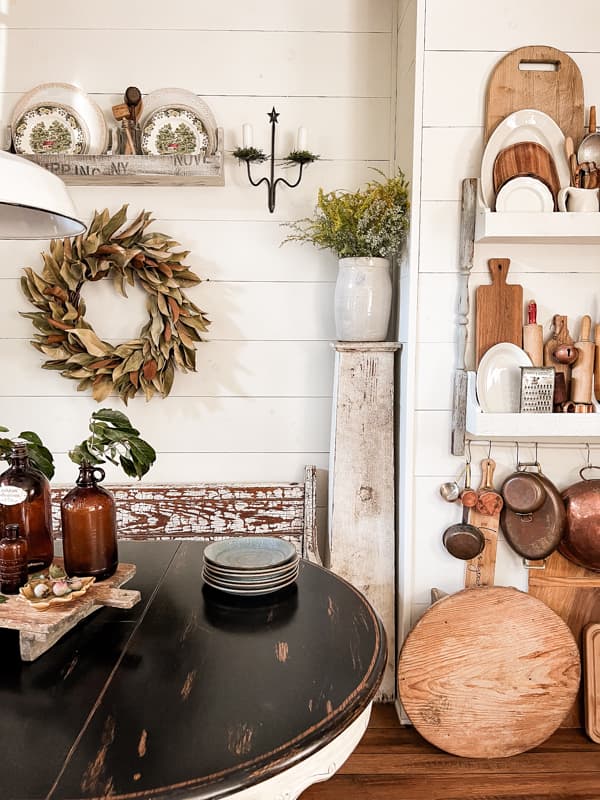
x=581 y=542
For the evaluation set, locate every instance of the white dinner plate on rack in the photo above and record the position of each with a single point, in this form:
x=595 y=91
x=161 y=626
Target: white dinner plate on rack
x=527 y=125
x=499 y=378
x=524 y=194
x=70 y=120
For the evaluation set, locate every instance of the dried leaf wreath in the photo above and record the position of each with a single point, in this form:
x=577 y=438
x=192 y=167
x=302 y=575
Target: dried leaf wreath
x=132 y=256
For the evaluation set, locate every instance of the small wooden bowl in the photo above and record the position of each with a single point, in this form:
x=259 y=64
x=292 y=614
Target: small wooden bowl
x=526 y=159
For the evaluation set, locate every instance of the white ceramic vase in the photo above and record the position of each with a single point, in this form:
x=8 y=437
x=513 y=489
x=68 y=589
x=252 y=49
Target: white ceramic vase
x=363 y=299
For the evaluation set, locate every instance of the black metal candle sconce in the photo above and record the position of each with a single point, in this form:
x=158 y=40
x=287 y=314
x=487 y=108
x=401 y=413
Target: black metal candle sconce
x=300 y=156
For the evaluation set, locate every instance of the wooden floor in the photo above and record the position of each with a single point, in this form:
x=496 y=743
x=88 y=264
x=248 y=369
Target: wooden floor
x=394 y=763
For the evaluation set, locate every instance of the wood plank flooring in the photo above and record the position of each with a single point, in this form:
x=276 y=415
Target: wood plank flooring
x=394 y=763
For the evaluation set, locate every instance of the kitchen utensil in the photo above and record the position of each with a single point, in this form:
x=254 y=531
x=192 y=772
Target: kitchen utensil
x=528 y=125
x=499 y=378
x=537 y=390
x=597 y=362
x=498 y=310
x=583 y=369
x=560 y=336
x=133 y=98
x=566 y=354
x=581 y=542
x=480 y=570
x=574 y=594
x=463 y=540
x=556 y=89
x=560 y=391
x=526 y=159
x=589 y=149
x=533 y=533
x=582 y=200
x=533 y=336
x=489 y=502
x=571 y=158
x=591 y=670
x=450 y=491
x=523 y=493
x=525 y=195
x=468 y=496
x=465 y=264
x=488 y=672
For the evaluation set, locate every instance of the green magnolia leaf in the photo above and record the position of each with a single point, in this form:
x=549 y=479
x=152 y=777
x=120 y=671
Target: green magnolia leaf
x=3 y=599
x=129 y=468
x=3 y=429
x=116 y=418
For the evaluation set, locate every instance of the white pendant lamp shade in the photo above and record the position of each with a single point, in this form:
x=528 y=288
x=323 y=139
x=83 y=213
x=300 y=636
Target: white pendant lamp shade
x=34 y=203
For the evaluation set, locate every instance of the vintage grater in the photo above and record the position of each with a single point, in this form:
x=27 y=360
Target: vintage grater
x=537 y=390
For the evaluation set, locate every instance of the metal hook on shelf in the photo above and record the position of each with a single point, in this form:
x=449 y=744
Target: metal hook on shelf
x=468 y=451
x=489 y=455
x=589 y=458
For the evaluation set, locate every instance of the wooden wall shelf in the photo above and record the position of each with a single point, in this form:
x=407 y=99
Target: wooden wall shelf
x=527 y=427
x=557 y=227
x=122 y=170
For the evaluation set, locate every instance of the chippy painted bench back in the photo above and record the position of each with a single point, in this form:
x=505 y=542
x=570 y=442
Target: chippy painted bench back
x=213 y=510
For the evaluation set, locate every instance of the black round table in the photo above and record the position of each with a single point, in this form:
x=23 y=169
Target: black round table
x=192 y=693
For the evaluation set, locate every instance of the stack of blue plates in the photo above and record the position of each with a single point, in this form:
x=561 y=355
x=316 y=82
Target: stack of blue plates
x=250 y=565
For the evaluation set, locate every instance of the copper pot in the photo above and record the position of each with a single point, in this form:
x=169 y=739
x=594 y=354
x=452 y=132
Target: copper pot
x=581 y=542
x=533 y=518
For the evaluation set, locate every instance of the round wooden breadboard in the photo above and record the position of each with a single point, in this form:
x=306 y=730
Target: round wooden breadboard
x=488 y=672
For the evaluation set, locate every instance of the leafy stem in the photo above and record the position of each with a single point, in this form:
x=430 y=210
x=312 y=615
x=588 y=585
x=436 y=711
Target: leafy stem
x=114 y=439
x=39 y=455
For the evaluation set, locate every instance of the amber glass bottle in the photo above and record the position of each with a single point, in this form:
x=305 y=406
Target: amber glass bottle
x=89 y=526
x=13 y=560
x=25 y=501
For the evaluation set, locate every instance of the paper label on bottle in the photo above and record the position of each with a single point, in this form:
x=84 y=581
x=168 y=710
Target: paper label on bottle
x=12 y=495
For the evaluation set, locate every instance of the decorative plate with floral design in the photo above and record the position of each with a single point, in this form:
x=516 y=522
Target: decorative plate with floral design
x=174 y=131
x=50 y=128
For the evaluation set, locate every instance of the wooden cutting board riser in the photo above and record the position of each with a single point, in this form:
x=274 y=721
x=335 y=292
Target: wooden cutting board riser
x=499 y=310
x=574 y=593
x=557 y=93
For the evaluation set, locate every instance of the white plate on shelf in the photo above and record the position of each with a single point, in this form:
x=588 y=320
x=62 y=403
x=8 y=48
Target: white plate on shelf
x=527 y=125
x=74 y=122
x=499 y=378
x=182 y=111
x=524 y=194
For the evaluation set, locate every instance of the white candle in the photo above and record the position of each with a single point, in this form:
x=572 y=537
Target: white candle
x=246 y=135
x=302 y=139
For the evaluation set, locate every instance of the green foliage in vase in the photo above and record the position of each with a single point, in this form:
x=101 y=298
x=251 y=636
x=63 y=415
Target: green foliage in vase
x=114 y=439
x=371 y=222
x=39 y=455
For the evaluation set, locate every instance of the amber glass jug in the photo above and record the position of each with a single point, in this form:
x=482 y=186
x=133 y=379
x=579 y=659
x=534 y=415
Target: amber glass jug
x=89 y=526
x=25 y=501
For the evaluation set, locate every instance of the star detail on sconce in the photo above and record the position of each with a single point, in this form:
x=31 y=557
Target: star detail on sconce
x=273 y=115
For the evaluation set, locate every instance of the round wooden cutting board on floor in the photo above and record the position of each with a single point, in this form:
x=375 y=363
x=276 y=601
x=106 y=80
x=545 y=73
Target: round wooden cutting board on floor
x=488 y=672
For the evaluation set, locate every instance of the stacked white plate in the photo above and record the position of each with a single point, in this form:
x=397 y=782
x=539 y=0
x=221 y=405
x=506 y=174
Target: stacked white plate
x=250 y=565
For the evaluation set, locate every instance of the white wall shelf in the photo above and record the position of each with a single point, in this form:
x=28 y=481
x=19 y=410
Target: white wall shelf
x=123 y=170
x=558 y=227
x=527 y=427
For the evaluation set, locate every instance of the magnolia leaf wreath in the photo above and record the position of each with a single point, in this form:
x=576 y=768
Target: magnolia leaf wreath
x=129 y=256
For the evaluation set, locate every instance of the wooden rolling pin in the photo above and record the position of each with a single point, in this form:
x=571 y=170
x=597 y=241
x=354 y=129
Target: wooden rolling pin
x=561 y=336
x=583 y=369
x=533 y=336
x=597 y=363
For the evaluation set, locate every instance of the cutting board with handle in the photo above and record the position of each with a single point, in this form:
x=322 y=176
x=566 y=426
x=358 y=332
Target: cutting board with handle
x=499 y=310
x=538 y=77
x=573 y=592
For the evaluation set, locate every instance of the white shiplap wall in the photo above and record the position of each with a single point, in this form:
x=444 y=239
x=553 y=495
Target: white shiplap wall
x=259 y=406
x=457 y=46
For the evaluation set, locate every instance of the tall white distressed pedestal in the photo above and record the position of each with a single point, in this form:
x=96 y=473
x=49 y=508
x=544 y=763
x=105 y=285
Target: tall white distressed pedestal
x=361 y=481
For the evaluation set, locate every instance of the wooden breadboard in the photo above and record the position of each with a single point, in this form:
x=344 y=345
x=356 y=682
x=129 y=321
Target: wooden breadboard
x=591 y=668
x=555 y=87
x=499 y=310
x=39 y=630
